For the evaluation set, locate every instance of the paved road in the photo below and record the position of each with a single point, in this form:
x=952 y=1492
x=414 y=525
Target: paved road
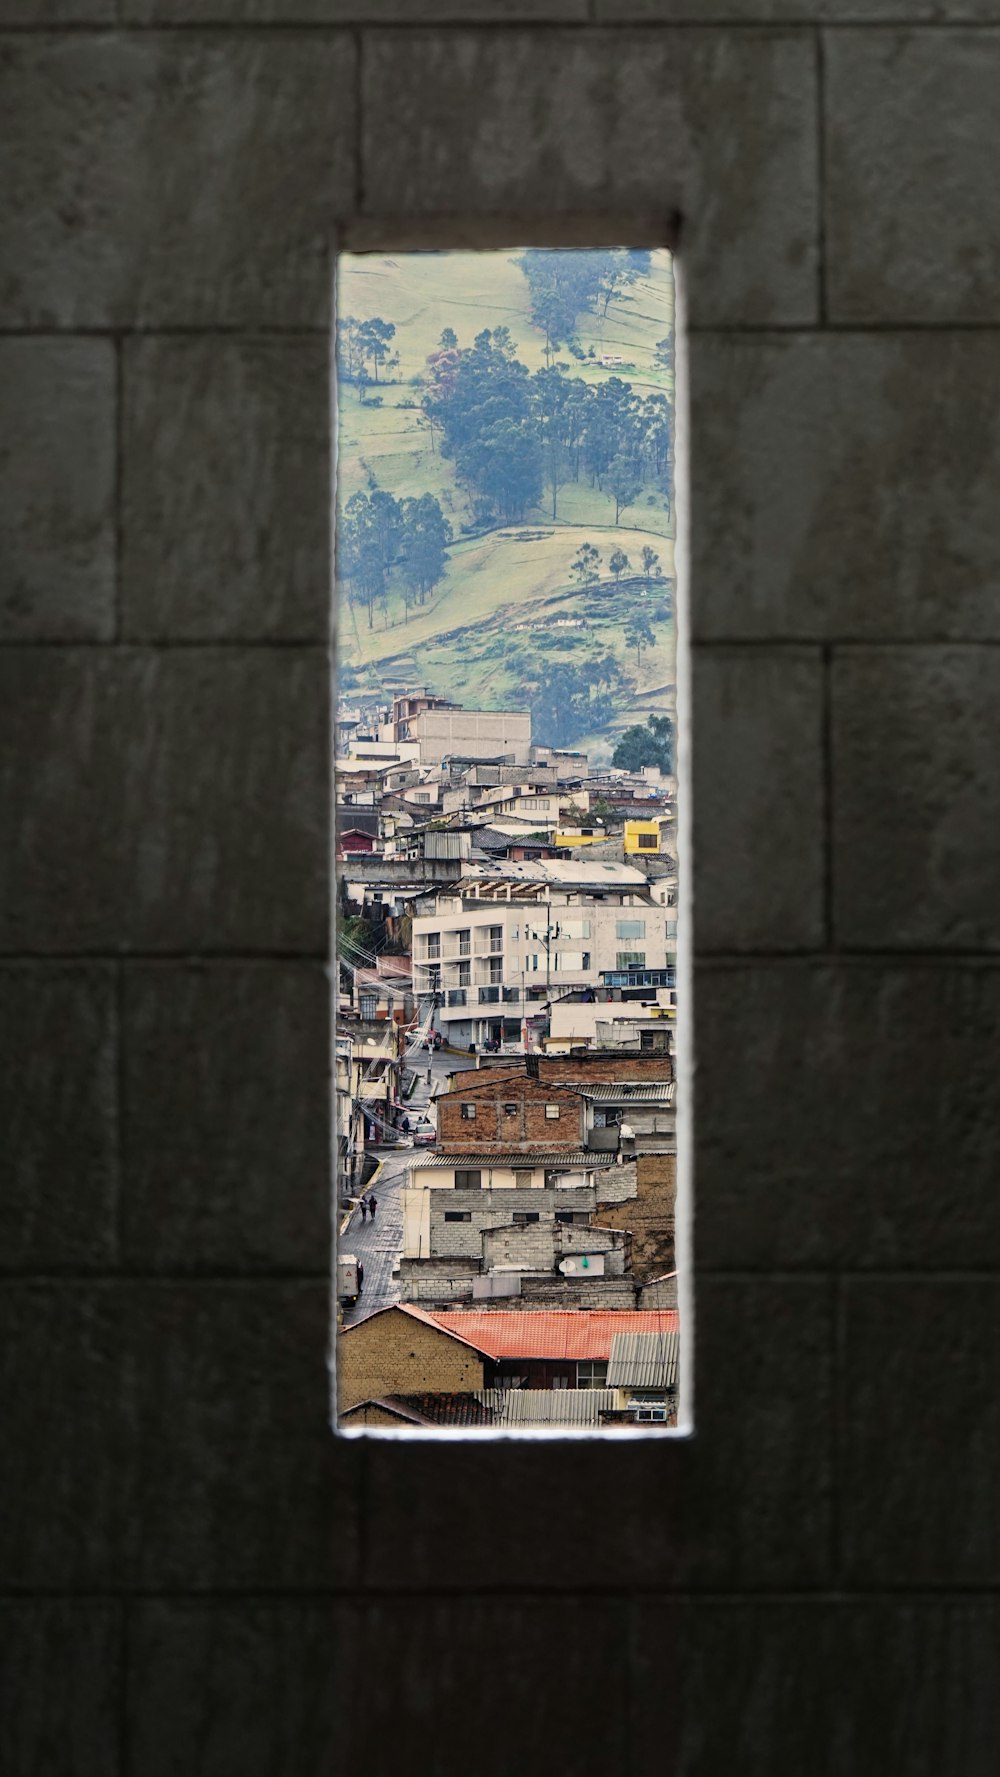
x=378 y=1244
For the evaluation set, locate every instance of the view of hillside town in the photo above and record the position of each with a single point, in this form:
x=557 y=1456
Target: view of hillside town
x=506 y=834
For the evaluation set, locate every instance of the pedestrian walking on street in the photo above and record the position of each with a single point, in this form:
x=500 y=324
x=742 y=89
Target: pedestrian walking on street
x=364 y=1210
x=361 y=1278
x=372 y=1206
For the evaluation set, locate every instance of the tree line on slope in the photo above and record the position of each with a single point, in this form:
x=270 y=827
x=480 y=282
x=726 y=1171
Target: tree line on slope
x=515 y=437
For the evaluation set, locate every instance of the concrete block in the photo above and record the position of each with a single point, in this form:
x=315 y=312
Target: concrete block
x=178 y=801
x=170 y=180
x=237 y=1478
x=60 y=1688
x=226 y=1118
x=743 y=1504
x=595 y=123
x=363 y=12
x=251 y=1686
x=825 y=504
x=183 y=1435
x=916 y=798
x=65 y=1448
x=58 y=1109
x=226 y=459
x=820 y=1682
x=847 y=1115
x=271 y=1687
x=57 y=489
x=912 y=136
x=36 y=13
x=920 y=1414
x=757 y=799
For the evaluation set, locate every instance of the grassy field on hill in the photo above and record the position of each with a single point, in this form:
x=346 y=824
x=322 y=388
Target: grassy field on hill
x=468 y=639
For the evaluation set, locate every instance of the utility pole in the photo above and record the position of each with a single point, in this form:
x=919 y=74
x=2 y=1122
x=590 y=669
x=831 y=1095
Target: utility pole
x=548 y=938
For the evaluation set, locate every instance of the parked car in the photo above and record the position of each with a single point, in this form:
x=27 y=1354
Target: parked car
x=433 y=1040
x=424 y=1133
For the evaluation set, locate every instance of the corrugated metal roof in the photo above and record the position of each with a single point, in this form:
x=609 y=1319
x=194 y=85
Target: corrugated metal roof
x=644 y=1359
x=520 y=1159
x=652 y=1092
x=558 y=1333
x=548 y=1406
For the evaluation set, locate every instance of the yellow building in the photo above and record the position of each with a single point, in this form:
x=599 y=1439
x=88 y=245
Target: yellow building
x=580 y=836
x=642 y=836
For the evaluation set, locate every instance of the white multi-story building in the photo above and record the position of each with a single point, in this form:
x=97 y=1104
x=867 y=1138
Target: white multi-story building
x=496 y=952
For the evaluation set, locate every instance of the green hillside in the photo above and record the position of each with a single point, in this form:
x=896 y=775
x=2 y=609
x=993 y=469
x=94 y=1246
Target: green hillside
x=464 y=641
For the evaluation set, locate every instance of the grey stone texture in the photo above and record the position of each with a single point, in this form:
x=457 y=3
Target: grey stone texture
x=60 y=1687
x=588 y=121
x=280 y=1683
x=844 y=486
x=820 y=1681
x=920 y=1407
x=180 y=1432
x=850 y=1114
x=58 y=1114
x=916 y=802
x=159 y=180
x=217 y=1175
x=193 y=783
x=226 y=505
x=364 y=12
x=58 y=411
x=196 y=1574
x=912 y=133
x=757 y=798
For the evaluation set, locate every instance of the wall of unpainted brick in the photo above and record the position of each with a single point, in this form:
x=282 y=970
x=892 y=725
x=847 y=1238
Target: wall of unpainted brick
x=190 y=1565
x=389 y=1353
x=650 y=1215
x=528 y=1124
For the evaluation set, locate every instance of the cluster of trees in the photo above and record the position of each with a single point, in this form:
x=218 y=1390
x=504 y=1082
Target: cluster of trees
x=585 y=568
x=565 y=286
x=649 y=745
x=514 y=436
x=567 y=700
x=364 y=344
x=385 y=542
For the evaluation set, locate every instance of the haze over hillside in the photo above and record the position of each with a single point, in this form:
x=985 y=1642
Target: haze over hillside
x=504 y=611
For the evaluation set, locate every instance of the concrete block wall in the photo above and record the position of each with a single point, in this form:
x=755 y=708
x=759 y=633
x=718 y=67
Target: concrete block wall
x=189 y=1563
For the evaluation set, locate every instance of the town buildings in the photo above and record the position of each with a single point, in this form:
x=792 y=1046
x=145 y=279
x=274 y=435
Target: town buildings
x=503 y=903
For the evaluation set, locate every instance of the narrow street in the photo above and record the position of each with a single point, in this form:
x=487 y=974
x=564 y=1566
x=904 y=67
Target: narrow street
x=378 y=1244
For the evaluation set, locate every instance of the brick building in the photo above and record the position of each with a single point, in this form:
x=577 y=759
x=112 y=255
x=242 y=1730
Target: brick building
x=402 y=1350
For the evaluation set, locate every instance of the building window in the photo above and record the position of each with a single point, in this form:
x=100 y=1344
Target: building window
x=631 y=959
x=468 y=1180
x=552 y=1112
x=648 y=841
x=465 y=974
x=458 y=1215
x=523 y=1216
x=592 y=1373
x=368 y=1005
x=510 y=1110
x=630 y=928
x=433 y=944
x=468 y=1113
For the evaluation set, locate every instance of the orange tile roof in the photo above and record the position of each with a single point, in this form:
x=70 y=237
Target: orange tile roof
x=560 y=1333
